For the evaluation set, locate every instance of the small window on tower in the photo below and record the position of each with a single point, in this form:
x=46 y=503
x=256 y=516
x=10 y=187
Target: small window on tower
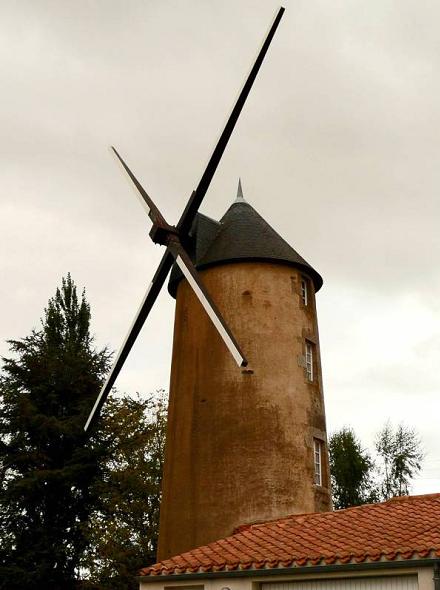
x=317 y=454
x=304 y=290
x=309 y=360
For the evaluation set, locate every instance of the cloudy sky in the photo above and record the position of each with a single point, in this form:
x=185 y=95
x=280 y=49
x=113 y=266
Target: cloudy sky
x=338 y=148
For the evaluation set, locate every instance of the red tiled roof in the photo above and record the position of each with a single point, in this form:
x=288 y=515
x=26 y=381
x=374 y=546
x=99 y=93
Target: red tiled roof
x=401 y=528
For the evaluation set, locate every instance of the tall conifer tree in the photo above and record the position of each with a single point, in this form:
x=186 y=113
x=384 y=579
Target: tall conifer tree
x=47 y=466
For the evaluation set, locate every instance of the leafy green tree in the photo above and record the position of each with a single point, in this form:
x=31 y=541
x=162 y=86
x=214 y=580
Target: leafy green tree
x=123 y=529
x=401 y=455
x=48 y=467
x=351 y=470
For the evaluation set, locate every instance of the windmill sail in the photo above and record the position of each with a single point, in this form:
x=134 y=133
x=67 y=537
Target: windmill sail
x=173 y=237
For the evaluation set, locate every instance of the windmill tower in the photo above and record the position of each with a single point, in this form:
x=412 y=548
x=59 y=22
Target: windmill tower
x=246 y=445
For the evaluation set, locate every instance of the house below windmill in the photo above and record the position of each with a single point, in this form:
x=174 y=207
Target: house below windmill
x=394 y=545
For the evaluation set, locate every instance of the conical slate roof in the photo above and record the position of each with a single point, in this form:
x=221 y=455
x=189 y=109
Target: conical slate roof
x=241 y=235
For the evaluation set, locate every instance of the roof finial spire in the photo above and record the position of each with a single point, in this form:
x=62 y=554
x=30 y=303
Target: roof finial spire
x=239 y=198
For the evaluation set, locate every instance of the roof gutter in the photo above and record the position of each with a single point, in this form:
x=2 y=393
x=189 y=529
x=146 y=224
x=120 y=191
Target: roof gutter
x=320 y=569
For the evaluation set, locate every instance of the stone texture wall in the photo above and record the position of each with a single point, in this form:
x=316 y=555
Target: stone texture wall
x=240 y=443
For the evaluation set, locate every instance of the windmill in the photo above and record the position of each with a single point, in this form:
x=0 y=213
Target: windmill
x=175 y=239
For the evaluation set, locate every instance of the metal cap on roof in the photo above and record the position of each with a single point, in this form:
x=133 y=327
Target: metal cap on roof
x=241 y=235
x=239 y=198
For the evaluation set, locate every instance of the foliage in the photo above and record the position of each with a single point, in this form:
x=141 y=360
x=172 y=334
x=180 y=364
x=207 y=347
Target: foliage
x=358 y=479
x=401 y=456
x=73 y=507
x=351 y=470
x=123 y=530
x=46 y=391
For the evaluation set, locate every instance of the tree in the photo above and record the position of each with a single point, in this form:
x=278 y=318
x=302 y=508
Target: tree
x=351 y=470
x=401 y=456
x=123 y=529
x=46 y=494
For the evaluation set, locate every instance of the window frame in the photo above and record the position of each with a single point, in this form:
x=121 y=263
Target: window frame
x=309 y=361
x=304 y=290
x=317 y=461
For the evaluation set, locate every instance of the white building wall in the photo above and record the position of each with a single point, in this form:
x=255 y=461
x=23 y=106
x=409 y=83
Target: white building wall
x=370 y=583
x=408 y=579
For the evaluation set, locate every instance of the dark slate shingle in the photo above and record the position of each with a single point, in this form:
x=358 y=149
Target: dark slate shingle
x=241 y=235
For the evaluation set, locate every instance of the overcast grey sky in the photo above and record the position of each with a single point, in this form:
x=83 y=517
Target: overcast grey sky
x=337 y=147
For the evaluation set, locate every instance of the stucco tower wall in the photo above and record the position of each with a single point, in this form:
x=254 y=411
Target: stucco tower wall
x=240 y=445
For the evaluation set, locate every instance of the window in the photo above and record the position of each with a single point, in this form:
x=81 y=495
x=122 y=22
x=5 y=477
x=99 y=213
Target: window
x=304 y=290
x=317 y=455
x=309 y=360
